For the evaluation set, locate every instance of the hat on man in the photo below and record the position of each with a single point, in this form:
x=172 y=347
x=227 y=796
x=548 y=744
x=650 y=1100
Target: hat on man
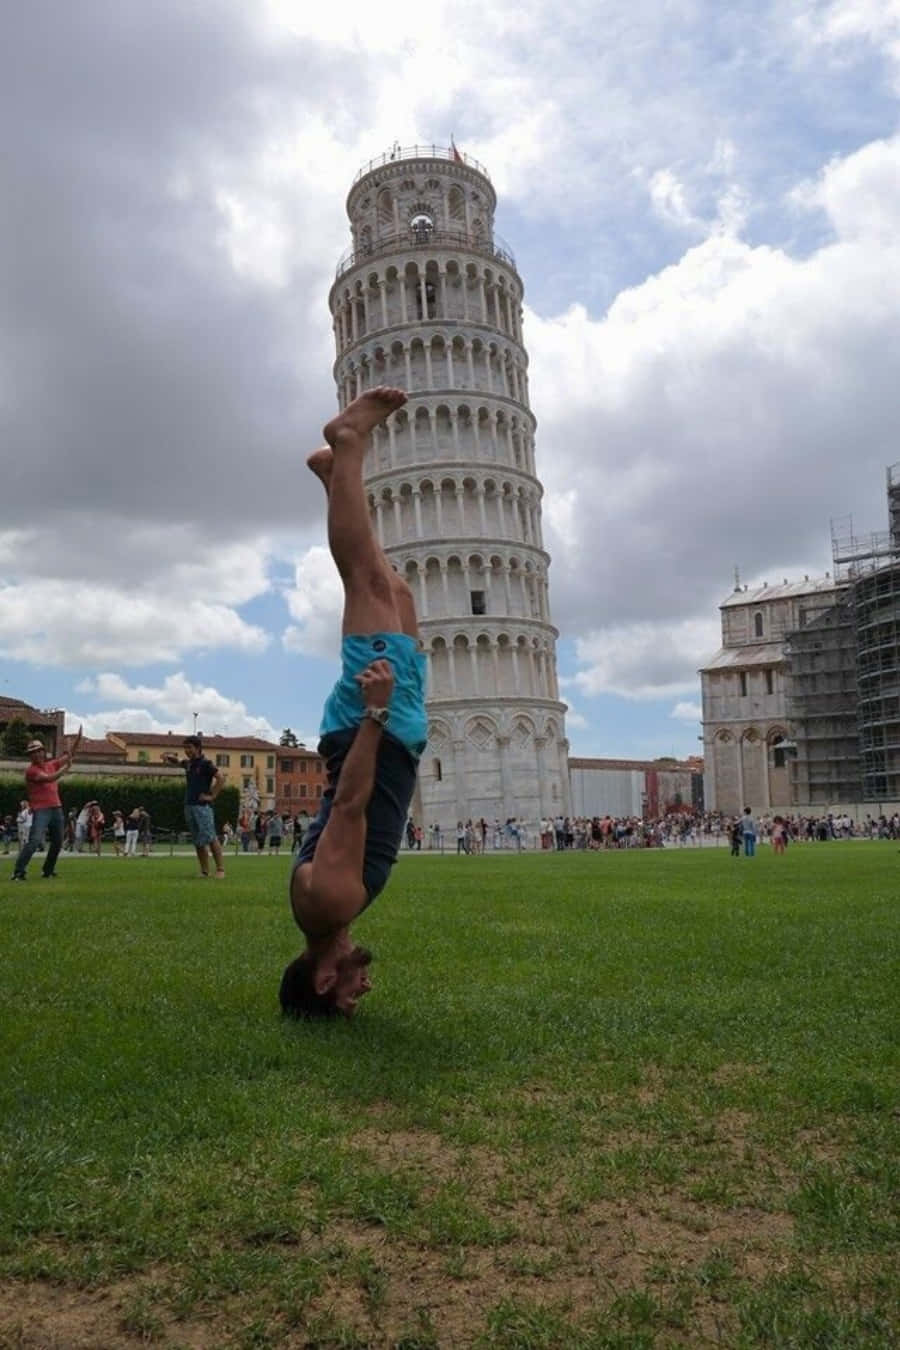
x=32 y=746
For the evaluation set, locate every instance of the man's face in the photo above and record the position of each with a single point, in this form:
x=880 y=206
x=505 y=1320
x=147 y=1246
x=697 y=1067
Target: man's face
x=352 y=980
x=191 y=751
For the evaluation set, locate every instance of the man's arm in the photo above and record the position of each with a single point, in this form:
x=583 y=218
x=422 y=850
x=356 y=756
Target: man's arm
x=170 y=757
x=75 y=745
x=215 y=787
x=357 y=778
x=43 y=777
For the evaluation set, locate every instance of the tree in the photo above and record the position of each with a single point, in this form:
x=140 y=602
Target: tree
x=288 y=738
x=15 y=738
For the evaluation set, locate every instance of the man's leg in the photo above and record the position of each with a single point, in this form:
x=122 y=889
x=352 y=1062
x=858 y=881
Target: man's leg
x=321 y=462
x=371 y=596
x=55 y=833
x=35 y=840
x=215 y=849
x=369 y=590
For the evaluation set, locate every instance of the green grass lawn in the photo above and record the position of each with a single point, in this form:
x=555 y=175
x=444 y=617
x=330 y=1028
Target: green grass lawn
x=594 y=1101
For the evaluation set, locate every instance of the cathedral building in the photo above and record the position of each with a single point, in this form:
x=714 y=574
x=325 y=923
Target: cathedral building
x=801 y=704
x=747 y=745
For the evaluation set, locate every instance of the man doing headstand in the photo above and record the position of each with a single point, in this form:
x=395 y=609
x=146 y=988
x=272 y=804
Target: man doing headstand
x=373 y=731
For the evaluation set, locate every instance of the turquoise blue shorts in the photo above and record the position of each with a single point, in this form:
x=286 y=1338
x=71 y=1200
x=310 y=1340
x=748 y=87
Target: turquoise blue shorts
x=201 y=822
x=344 y=707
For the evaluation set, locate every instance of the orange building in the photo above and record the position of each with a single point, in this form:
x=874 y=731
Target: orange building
x=299 y=780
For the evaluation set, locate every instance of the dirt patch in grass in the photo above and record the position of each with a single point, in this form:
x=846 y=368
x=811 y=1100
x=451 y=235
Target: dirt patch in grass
x=726 y=1075
x=422 y=1151
x=555 y=1249
x=40 y=1316
x=583 y=1263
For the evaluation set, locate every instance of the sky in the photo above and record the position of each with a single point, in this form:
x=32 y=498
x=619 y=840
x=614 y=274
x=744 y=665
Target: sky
x=703 y=198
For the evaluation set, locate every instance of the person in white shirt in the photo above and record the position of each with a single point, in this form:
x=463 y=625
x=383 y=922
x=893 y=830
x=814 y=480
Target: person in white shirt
x=81 y=826
x=23 y=824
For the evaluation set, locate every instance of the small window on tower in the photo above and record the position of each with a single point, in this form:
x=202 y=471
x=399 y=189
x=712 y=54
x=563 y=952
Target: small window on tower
x=478 y=604
x=436 y=769
x=743 y=684
x=422 y=226
x=770 y=682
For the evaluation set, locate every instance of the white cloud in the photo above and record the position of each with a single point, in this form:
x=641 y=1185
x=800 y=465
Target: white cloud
x=687 y=712
x=154 y=595
x=667 y=195
x=720 y=413
x=842 y=23
x=70 y=623
x=643 y=660
x=316 y=602
x=170 y=706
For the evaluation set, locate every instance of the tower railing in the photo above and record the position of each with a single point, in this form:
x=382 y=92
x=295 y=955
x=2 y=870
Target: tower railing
x=419 y=237
x=399 y=152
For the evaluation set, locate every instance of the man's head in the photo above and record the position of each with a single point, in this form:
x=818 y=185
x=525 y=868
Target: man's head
x=315 y=986
x=35 y=751
x=193 y=747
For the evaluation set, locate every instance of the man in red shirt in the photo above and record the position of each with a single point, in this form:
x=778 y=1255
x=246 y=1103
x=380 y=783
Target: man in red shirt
x=41 y=778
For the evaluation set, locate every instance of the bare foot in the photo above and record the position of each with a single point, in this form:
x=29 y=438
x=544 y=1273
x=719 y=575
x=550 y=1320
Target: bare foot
x=364 y=413
x=322 y=462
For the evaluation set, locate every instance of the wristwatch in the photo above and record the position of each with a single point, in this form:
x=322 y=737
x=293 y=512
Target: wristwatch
x=379 y=715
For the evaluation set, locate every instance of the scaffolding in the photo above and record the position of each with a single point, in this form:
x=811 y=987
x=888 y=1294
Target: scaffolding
x=877 y=597
x=866 y=627
x=822 y=706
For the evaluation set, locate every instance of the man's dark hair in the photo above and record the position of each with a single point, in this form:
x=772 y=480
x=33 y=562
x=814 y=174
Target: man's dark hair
x=297 y=995
x=196 y=741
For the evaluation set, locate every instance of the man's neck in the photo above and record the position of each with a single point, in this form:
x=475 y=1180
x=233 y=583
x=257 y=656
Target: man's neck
x=327 y=948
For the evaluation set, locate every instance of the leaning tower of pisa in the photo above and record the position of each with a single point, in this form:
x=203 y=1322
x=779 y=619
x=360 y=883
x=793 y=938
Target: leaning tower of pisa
x=428 y=298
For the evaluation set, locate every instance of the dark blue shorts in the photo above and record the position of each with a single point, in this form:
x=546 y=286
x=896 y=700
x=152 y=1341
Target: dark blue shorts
x=386 y=814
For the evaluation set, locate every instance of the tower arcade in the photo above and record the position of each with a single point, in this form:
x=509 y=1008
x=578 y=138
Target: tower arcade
x=428 y=298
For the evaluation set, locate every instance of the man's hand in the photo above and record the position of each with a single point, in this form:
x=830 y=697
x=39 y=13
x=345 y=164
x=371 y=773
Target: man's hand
x=376 y=684
x=205 y=798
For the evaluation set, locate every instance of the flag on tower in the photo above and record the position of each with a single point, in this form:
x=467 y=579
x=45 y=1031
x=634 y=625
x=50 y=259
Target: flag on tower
x=456 y=155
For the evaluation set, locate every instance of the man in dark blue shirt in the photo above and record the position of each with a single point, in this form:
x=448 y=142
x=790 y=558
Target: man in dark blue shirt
x=203 y=784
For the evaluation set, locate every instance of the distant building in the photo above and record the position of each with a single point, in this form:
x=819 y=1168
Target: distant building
x=100 y=753
x=647 y=789
x=744 y=691
x=299 y=780
x=247 y=762
x=801 y=704
x=47 y=724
